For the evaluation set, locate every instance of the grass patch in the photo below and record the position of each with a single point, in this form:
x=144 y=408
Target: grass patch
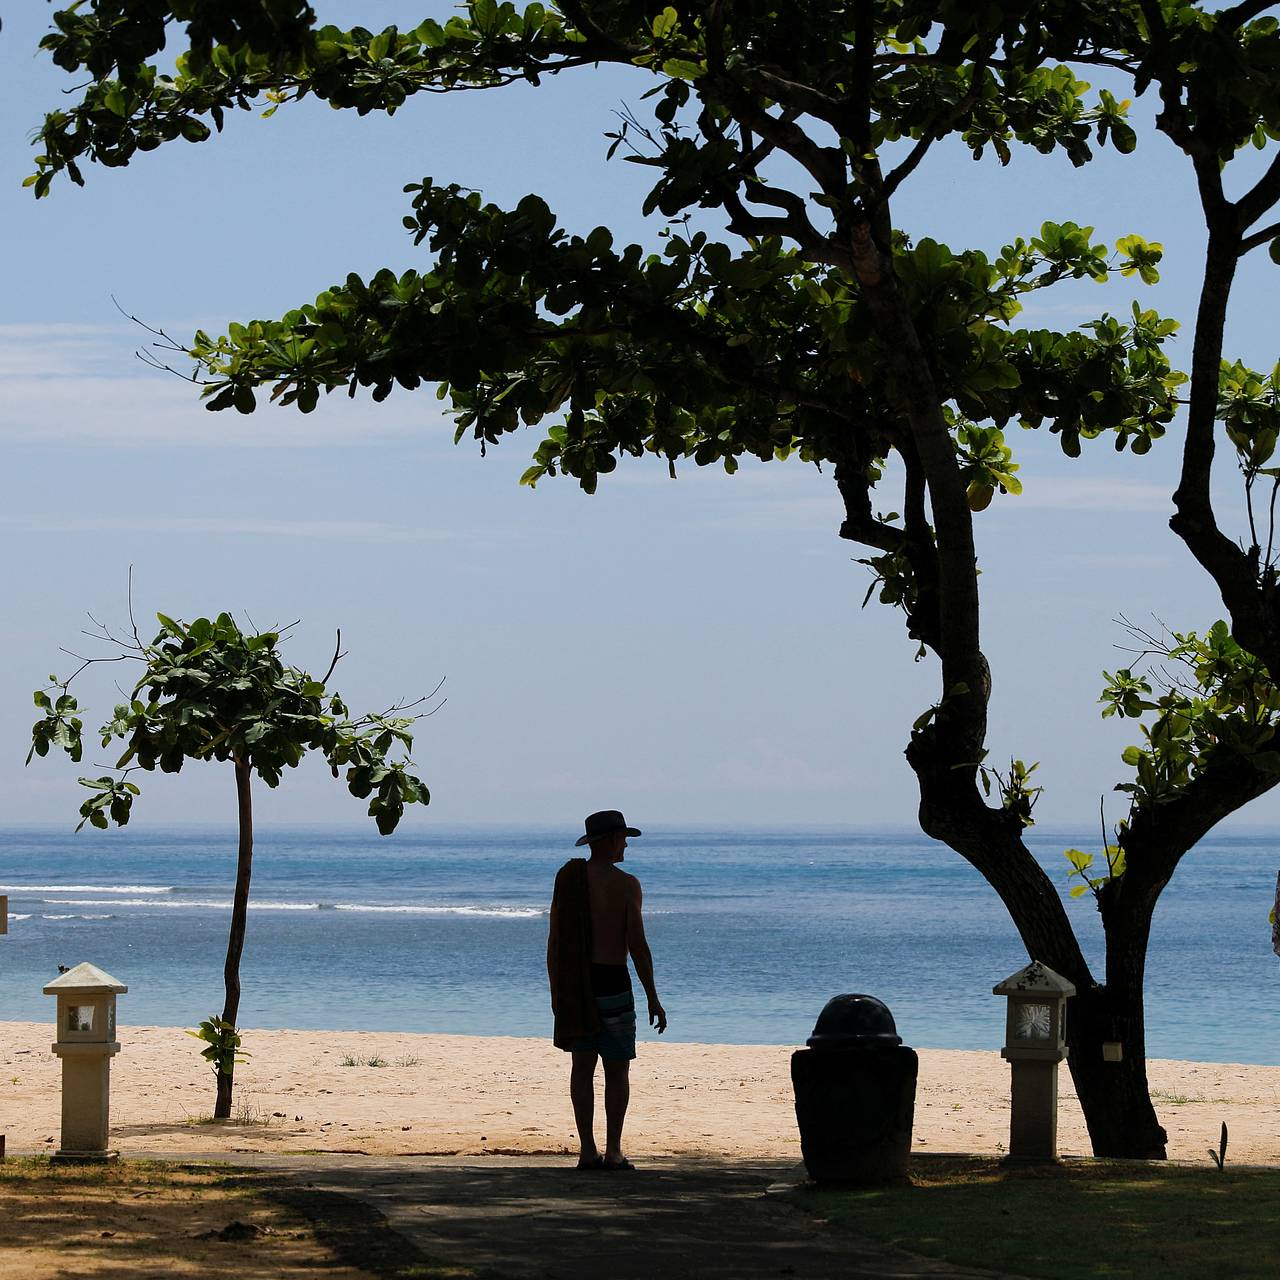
x=245 y=1112
x=362 y=1060
x=1074 y=1221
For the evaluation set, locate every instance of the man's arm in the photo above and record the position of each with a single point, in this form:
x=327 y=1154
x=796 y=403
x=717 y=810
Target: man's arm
x=642 y=957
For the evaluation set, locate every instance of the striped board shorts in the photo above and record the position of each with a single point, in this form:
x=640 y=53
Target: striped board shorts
x=616 y=1039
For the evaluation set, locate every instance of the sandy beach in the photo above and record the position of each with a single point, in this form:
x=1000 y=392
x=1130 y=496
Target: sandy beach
x=472 y=1095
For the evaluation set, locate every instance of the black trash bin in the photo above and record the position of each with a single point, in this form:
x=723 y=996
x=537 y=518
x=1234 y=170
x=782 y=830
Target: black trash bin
x=855 y=1088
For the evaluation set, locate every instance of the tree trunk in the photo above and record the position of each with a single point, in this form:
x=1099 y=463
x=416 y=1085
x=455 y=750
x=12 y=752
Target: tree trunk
x=235 y=941
x=1114 y=1096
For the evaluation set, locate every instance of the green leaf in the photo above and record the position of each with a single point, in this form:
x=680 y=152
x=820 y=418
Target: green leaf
x=665 y=23
x=979 y=495
x=683 y=69
x=1080 y=860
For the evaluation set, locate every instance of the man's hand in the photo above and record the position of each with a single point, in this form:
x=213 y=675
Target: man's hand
x=657 y=1016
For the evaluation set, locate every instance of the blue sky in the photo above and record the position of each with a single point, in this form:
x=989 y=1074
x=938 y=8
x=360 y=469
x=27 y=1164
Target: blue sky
x=690 y=651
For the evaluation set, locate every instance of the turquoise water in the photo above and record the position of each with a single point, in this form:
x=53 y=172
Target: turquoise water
x=752 y=931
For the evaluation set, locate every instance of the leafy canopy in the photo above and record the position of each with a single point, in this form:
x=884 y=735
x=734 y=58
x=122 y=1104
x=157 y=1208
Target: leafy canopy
x=210 y=691
x=704 y=352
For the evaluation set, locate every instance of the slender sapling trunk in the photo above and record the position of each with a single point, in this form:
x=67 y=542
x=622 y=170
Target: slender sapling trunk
x=235 y=941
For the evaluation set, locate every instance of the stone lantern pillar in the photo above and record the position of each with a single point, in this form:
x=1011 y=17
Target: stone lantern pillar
x=86 y=1043
x=1035 y=1042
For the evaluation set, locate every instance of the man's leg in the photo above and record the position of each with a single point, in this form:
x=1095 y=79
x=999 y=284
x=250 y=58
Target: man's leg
x=582 y=1092
x=617 y=1093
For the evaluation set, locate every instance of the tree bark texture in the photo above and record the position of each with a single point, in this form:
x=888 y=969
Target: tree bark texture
x=1235 y=571
x=1115 y=1096
x=966 y=679
x=235 y=940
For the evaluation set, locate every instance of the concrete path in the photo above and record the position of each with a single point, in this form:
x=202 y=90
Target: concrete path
x=531 y=1217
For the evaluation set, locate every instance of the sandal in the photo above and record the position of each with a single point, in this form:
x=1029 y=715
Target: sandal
x=596 y=1162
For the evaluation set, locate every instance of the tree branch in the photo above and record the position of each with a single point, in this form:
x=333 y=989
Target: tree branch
x=801 y=96
x=1174 y=120
x=337 y=655
x=813 y=246
x=1194 y=521
x=922 y=549
x=864 y=48
x=1239 y=14
x=1159 y=836
x=824 y=165
x=796 y=225
x=896 y=176
x=129 y=599
x=1260 y=198
x=1258 y=238
x=577 y=13
x=89 y=662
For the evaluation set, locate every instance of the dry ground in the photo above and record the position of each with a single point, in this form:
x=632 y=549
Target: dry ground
x=145 y=1221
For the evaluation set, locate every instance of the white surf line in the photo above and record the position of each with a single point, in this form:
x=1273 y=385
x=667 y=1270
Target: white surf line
x=85 y=888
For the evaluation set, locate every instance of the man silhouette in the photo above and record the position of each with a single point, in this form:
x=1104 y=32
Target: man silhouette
x=596 y=922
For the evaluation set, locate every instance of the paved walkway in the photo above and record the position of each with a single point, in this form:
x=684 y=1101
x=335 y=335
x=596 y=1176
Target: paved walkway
x=531 y=1218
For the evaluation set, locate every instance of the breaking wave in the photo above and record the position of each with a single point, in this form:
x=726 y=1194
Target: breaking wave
x=86 y=888
x=224 y=904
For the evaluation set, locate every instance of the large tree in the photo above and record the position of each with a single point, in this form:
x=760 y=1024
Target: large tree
x=820 y=331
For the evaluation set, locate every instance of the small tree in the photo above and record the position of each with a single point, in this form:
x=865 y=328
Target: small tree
x=210 y=691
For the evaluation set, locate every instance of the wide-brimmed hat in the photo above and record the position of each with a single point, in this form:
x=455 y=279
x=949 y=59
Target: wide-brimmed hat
x=605 y=823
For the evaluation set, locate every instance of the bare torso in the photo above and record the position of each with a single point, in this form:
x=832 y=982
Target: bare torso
x=611 y=890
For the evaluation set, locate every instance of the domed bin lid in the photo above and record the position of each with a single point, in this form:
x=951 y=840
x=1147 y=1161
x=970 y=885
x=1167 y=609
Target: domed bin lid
x=854 y=1021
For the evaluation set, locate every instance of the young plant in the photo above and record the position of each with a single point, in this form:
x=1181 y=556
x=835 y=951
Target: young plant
x=1219 y=1157
x=209 y=690
x=222 y=1049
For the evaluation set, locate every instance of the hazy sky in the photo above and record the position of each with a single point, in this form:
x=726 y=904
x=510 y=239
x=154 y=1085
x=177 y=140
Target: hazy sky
x=690 y=651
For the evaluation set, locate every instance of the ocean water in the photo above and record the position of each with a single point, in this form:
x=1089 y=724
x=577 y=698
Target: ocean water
x=751 y=930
